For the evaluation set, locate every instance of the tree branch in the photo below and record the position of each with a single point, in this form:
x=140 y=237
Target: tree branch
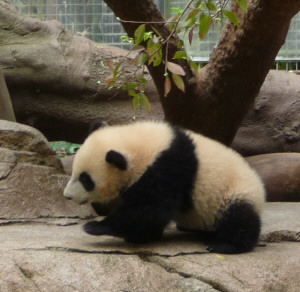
x=216 y=103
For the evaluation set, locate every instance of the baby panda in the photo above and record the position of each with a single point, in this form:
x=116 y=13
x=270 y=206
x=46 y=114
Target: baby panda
x=155 y=173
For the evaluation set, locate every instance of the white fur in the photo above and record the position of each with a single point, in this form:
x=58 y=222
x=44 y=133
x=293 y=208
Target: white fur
x=223 y=175
x=140 y=143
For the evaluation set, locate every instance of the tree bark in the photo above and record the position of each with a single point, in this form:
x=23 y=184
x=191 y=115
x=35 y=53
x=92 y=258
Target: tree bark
x=217 y=101
x=42 y=62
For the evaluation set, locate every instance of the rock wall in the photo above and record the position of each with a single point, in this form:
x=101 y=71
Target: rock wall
x=273 y=123
x=32 y=178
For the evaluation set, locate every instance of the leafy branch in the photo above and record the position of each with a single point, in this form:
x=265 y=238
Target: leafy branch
x=149 y=47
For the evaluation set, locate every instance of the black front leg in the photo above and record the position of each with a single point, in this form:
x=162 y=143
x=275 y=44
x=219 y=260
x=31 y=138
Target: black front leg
x=98 y=228
x=138 y=224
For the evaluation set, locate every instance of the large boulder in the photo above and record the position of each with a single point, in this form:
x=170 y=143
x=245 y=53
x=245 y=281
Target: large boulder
x=32 y=178
x=280 y=173
x=273 y=124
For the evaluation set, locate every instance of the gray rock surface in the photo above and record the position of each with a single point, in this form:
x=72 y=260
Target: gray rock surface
x=273 y=124
x=56 y=255
x=26 y=145
x=31 y=176
x=280 y=173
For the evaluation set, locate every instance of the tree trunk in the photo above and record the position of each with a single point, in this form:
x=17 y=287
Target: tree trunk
x=216 y=103
x=42 y=62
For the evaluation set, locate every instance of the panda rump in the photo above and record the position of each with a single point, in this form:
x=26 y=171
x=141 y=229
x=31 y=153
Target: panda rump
x=157 y=173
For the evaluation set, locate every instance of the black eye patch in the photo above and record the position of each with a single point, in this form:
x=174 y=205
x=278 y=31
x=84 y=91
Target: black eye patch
x=86 y=181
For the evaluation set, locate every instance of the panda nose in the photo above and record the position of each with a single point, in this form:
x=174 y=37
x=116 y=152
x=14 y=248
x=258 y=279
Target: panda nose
x=68 y=198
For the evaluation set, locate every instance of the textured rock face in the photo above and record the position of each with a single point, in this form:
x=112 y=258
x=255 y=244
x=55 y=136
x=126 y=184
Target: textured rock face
x=55 y=255
x=273 y=124
x=280 y=173
x=24 y=144
x=31 y=176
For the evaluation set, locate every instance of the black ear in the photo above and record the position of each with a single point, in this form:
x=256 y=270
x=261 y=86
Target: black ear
x=95 y=125
x=117 y=159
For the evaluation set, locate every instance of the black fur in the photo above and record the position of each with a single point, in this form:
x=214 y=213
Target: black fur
x=117 y=159
x=152 y=202
x=104 y=209
x=95 y=125
x=237 y=230
x=87 y=181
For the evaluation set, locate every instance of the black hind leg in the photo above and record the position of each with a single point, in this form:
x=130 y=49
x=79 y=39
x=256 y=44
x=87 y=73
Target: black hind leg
x=238 y=229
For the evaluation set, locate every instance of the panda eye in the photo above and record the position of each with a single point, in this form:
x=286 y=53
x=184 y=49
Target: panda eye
x=86 y=181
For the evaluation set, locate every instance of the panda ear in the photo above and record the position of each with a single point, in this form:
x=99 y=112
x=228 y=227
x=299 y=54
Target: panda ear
x=96 y=124
x=117 y=159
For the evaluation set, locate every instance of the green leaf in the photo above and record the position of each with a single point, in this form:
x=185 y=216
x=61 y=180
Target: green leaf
x=180 y=44
x=180 y=55
x=147 y=35
x=178 y=82
x=157 y=60
x=198 y=4
x=190 y=23
x=192 y=14
x=136 y=101
x=210 y=6
x=145 y=102
x=155 y=52
x=194 y=66
x=142 y=80
x=124 y=38
x=175 y=68
x=177 y=10
x=140 y=59
x=132 y=92
x=243 y=4
x=117 y=68
x=131 y=85
x=139 y=34
x=204 y=26
x=232 y=17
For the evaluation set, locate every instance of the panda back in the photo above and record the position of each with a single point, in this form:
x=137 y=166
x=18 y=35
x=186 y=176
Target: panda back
x=223 y=177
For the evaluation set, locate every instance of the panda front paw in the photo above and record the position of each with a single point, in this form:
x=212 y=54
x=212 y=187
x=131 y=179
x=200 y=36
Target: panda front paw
x=97 y=228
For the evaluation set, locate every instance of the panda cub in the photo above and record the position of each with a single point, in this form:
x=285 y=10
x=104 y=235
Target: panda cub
x=156 y=173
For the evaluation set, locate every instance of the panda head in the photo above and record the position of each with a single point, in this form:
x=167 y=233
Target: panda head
x=99 y=172
x=113 y=158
